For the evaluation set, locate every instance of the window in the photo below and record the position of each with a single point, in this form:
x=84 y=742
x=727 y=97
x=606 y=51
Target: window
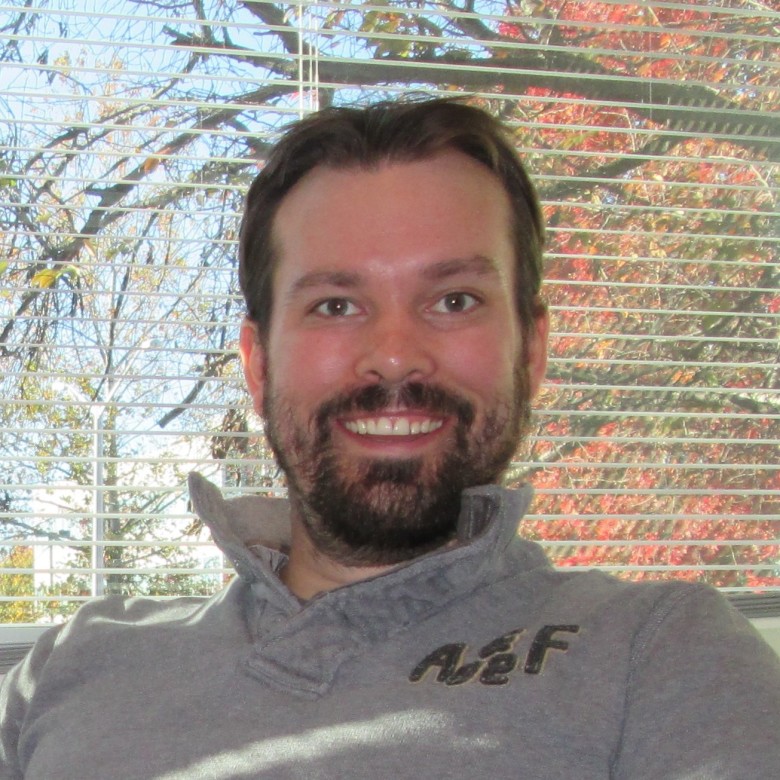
x=127 y=141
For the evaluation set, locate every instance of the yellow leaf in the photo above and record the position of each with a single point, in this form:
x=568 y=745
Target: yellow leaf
x=45 y=278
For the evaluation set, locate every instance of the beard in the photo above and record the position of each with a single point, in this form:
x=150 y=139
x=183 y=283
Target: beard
x=382 y=511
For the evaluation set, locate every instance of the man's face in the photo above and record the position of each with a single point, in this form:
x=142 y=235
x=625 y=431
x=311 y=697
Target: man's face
x=394 y=372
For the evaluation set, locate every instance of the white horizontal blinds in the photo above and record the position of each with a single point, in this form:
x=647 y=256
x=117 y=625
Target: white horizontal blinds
x=660 y=428
x=127 y=140
x=129 y=161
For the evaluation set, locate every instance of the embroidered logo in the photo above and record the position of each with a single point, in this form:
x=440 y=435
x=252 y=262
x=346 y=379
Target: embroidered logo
x=495 y=661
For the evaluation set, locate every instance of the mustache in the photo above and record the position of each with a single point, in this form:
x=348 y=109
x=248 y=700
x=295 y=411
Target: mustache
x=412 y=396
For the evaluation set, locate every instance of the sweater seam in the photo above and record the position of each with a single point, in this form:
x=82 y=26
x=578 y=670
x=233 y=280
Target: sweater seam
x=645 y=633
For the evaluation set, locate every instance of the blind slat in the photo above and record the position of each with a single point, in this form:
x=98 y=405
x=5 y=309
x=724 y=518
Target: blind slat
x=128 y=139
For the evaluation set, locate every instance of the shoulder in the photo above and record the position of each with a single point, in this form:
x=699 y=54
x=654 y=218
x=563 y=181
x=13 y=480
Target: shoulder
x=590 y=591
x=700 y=688
x=639 y=616
x=110 y=615
x=107 y=626
x=702 y=692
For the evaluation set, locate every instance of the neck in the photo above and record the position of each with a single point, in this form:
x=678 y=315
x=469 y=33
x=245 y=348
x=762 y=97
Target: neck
x=309 y=571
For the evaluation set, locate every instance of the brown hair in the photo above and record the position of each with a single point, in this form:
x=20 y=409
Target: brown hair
x=387 y=132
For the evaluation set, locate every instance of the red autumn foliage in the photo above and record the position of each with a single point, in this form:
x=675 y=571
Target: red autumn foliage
x=658 y=450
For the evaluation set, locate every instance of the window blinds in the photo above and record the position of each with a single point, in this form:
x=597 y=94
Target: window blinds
x=127 y=140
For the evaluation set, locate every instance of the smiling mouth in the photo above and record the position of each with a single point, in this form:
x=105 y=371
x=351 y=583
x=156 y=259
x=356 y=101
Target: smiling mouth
x=395 y=426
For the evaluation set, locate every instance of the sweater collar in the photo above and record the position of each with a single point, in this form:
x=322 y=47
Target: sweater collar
x=254 y=531
x=295 y=644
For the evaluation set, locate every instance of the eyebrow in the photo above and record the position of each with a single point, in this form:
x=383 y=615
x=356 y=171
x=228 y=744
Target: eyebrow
x=478 y=264
x=343 y=279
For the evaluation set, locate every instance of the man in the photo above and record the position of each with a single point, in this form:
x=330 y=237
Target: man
x=388 y=621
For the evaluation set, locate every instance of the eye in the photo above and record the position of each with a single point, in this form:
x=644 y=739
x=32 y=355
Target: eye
x=335 y=307
x=455 y=303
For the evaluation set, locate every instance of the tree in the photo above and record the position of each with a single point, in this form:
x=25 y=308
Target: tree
x=649 y=130
x=17 y=585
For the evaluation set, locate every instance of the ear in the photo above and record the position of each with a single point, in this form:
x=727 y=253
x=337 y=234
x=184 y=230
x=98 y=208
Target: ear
x=250 y=348
x=537 y=350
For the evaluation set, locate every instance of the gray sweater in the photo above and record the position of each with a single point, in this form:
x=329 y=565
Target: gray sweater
x=479 y=661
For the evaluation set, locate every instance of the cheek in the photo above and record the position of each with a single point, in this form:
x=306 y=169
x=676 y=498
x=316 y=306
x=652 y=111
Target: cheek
x=308 y=366
x=483 y=364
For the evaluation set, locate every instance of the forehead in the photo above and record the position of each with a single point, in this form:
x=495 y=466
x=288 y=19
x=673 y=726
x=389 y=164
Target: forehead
x=441 y=208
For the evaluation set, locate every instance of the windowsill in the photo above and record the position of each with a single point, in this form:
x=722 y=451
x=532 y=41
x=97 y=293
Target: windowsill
x=770 y=630
x=15 y=641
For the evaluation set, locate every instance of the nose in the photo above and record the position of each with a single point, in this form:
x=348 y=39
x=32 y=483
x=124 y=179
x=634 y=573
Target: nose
x=395 y=349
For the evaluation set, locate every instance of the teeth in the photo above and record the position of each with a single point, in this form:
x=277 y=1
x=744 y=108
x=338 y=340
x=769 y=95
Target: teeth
x=384 y=426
